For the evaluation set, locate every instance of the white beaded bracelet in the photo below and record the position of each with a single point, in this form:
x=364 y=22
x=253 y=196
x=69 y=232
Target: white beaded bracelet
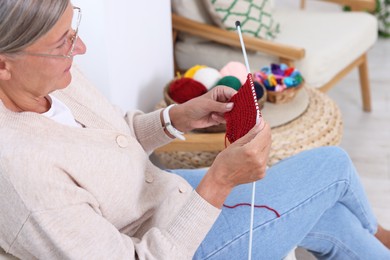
x=168 y=125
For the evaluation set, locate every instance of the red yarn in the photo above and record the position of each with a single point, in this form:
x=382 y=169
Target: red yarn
x=184 y=89
x=256 y=206
x=288 y=71
x=243 y=116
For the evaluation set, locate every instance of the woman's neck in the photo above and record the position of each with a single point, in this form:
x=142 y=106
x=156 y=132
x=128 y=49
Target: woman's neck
x=22 y=102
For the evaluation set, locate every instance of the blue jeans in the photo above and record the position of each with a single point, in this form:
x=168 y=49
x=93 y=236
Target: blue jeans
x=322 y=207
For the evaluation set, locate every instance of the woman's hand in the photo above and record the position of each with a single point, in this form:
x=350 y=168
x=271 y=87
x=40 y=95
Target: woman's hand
x=244 y=161
x=204 y=111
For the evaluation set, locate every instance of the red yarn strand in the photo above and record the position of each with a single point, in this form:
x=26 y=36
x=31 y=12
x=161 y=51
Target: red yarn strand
x=256 y=206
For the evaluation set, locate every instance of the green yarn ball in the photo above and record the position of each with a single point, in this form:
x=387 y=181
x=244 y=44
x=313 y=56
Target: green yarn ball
x=229 y=81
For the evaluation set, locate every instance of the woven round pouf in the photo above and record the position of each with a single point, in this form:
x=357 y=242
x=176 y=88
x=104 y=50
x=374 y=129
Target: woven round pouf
x=320 y=125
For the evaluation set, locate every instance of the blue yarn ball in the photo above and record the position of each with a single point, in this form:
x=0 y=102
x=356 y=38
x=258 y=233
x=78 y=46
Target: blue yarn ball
x=260 y=91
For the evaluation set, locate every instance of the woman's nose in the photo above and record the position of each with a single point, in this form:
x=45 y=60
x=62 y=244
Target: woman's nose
x=79 y=48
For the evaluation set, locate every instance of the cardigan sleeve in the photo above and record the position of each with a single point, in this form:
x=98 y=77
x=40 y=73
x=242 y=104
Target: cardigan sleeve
x=148 y=129
x=79 y=232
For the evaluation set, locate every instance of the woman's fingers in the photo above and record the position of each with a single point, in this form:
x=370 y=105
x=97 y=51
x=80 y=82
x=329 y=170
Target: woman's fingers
x=251 y=134
x=222 y=93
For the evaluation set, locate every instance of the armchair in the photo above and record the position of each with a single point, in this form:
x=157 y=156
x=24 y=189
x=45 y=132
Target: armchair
x=324 y=46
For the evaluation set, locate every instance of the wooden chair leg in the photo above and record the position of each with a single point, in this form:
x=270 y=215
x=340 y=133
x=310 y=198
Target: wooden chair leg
x=303 y=4
x=365 y=85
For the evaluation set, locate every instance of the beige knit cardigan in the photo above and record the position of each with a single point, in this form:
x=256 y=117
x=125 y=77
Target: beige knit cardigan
x=92 y=193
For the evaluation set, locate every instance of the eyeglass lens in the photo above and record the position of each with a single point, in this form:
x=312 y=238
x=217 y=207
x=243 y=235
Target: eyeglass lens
x=75 y=27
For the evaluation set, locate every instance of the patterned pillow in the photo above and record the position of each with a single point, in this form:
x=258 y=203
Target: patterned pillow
x=254 y=15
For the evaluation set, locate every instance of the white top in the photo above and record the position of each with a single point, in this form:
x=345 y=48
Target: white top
x=60 y=113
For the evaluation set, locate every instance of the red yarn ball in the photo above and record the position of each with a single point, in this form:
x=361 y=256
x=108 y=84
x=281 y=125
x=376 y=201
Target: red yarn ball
x=184 y=89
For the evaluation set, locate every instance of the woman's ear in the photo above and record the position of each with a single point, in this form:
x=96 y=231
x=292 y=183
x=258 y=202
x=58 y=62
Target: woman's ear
x=5 y=73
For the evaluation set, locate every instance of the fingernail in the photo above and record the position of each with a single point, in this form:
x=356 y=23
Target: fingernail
x=259 y=120
x=229 y=105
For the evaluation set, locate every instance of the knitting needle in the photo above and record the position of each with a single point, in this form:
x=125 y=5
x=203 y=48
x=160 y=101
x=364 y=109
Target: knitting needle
x=238 y=26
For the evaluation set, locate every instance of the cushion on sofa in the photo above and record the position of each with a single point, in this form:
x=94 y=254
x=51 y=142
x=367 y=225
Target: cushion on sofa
x=194 y=10
x=326 y=52
x=255 y=16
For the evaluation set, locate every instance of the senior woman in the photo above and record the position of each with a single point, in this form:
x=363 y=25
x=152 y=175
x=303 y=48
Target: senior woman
x=76 y=181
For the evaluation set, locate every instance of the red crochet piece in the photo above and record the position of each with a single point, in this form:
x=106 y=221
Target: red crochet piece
x=242 y=117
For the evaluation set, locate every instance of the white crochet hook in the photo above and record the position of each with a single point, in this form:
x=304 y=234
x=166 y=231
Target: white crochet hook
x=238 y=26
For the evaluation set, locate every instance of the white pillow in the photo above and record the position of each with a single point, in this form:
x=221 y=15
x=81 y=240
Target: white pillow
x=194 y=10
x=191 y=9
x=255 y=16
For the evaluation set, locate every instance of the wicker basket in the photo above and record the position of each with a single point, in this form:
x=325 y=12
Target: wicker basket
x=279 y=97
x=320 y=125
x=262 y=99
x=168 y=100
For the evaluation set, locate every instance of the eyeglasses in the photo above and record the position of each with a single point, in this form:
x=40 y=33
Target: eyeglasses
x=70 y=40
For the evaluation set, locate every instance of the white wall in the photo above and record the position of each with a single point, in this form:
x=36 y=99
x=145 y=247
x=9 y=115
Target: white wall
x=129 y=56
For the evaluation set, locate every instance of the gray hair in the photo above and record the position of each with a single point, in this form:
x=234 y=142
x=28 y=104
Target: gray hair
x=22 y=22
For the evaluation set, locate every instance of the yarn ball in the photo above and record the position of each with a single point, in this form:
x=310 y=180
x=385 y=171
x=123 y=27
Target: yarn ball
x=230 y=81
x=283 y=66
x=191 y=71
x=236 y=69
x=184 y=89
x=207 y=76
x=259 y=90
x=276 y=70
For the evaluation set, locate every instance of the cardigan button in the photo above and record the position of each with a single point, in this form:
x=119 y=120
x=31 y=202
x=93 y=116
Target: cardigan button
x=183 y=189
x=149 y=177
x=122 y=141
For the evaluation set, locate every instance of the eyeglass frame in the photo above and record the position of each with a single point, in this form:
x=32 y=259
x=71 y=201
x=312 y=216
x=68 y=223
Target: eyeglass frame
x=73 y=39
